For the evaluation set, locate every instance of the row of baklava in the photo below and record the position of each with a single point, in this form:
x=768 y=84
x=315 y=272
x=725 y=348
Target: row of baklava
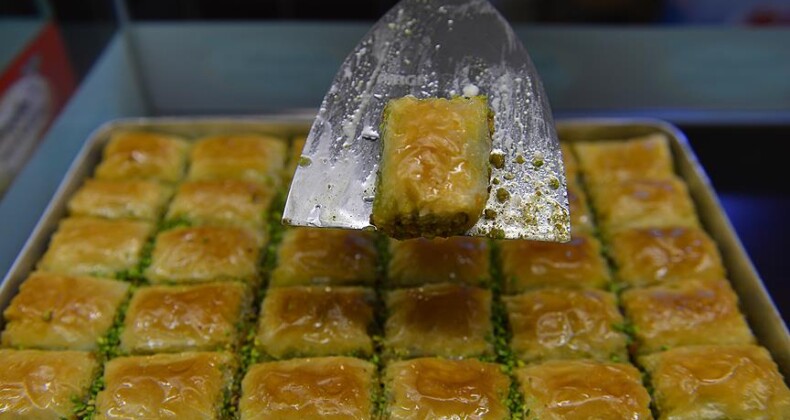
x=689 y=335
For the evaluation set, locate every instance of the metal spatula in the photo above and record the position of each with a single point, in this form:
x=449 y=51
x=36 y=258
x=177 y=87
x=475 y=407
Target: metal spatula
x=435 y=49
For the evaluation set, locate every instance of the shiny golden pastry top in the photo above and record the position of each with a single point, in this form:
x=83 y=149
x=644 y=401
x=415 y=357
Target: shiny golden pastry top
x=248 y=157
x=460 y=259
x=143 y=155
x=732 y=382
x=604 y=162
x=320 y=388
x=54 y=311
x=37 y=384
x=134 y=199
x=446 y=389
x=222 y=203
x=584 y=389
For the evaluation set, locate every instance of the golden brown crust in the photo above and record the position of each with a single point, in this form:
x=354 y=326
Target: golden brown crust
x=55 y=311
x=528 y=265
x=440 y=388
x=434 y=170
x=686 y=312
x=651 y=255
x=584 y=389
x=438 y=320
x=134 y=199
x=143 y=155
x=200 y=254
x=177 y=386
x=642 y=204
x=325 y=388
x=459 y=259
x=182 y=318
x=565 y=324
x=316 y=321
x=222 y=203
x=610 y=161
x=38 y=384
x=733 y=382
x=91 y=246
x=325 y=256
x=248 y=157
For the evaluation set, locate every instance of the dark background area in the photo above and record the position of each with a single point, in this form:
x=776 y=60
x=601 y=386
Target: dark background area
x=744 y=161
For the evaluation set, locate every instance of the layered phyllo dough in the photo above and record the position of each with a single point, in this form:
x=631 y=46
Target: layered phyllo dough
x=644 y=203
x=222 y=203
x=317 y=388
x=686 y=312
x=38 y=384
x=459 y=259
x=177 y=386
x=434 y=169
x=721 y=382
x=200 y=254
x=316 y=321
x=646 y=256
x=247 y=157
x=528 y=265
x=583 y=389
x=607 y=162
x=433 y=388
x=143 y=155
x=181 y=318
x=98 y=247
x=134 y=199
x=54 y=311
x=447 y=320
x=565 y=324
x=326 y=257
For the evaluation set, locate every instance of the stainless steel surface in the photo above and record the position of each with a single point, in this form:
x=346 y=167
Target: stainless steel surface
x=434 y=49
x=760 y=311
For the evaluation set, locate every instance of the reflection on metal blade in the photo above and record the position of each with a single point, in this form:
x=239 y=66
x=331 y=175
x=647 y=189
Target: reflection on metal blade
x=435 y=49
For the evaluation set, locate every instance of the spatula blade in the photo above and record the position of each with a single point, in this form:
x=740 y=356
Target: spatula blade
x=435 y=49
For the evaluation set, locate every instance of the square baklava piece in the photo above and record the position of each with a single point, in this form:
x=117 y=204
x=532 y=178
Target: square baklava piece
x=97 y=247
x=583 y=389
x=317 y=388
x=181 y=318
x=316 y=321
x=528 y=265
x=646 y=256
x=327 y=257
x=247 y=157
x=683 y=313
x=222 y=203
x=54 y=311
x=565 y=324
x=608 y=161
x=135 y=199
x=717 y=382
x=446 y=389
x=182 y=386
x=37 y=384
x=200 y=254
x=644 y=203
x=445 y=320
x=459 y=259
x=434 y=171
x=143 y=155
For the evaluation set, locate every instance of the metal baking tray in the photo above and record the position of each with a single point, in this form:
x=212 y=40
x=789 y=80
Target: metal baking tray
x=760 y=311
